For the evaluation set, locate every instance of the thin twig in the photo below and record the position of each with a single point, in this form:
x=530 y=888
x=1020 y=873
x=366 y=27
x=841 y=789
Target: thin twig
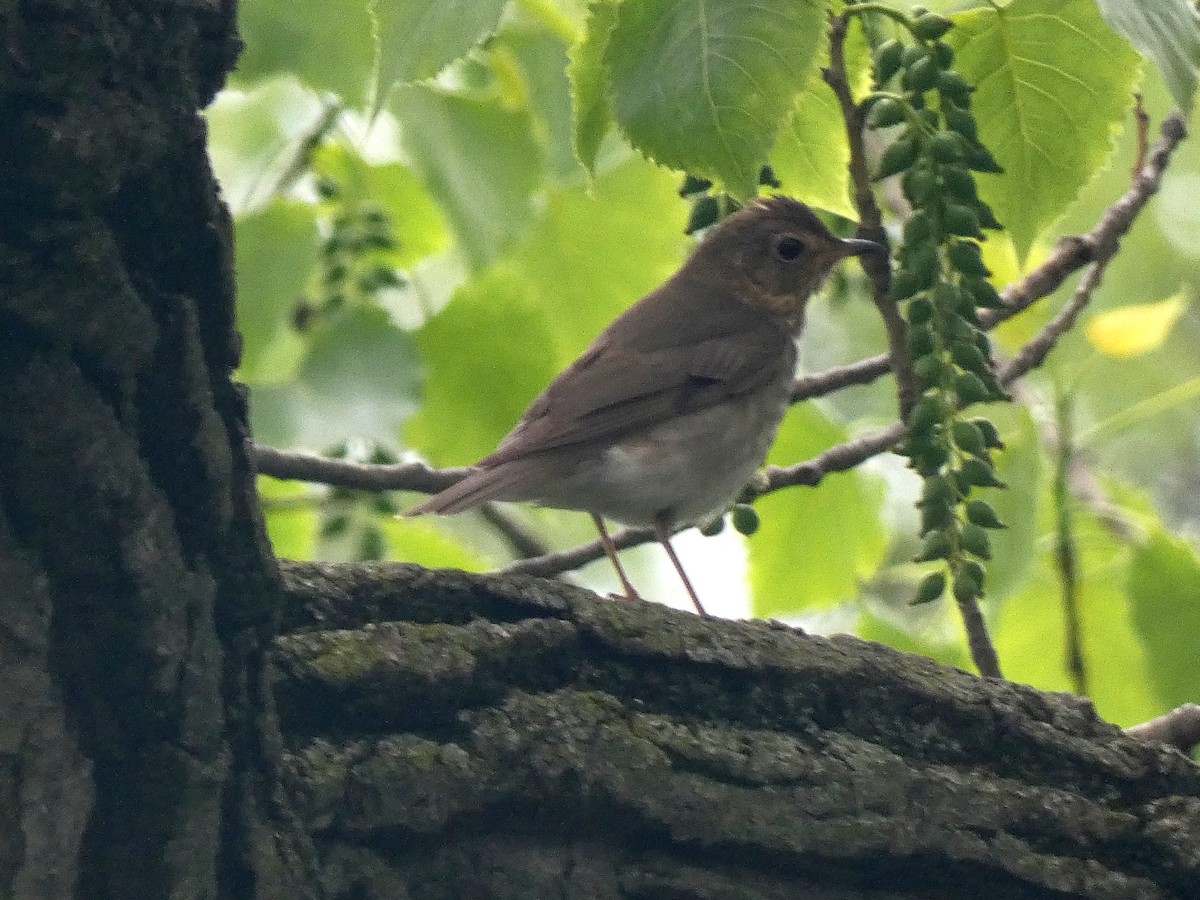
x=523 y=542
x=1142 y=121
x=870 y=220
x=409 y=476
x=1065 y=554
x=979 y=639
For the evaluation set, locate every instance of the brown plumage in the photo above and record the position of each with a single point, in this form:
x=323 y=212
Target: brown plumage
x=663 y=420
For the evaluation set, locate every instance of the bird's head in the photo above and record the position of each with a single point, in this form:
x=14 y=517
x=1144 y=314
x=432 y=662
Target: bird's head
x=775 y=254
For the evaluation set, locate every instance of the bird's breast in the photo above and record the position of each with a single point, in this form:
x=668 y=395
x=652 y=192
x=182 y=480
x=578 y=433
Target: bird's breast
x=686 y=469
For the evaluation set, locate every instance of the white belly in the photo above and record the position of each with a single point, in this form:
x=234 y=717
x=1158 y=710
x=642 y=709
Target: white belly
x=684 y=472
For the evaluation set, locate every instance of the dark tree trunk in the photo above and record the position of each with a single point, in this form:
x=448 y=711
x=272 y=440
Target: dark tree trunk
x=442 y=735
x=137 y=752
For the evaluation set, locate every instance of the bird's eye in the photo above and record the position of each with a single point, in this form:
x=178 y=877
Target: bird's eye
x=789 y=248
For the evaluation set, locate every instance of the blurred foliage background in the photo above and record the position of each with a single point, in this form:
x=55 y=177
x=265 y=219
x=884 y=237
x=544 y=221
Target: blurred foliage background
x=439 y=204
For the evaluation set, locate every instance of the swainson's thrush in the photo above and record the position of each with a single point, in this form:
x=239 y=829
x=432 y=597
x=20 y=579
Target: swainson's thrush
x=664 y=419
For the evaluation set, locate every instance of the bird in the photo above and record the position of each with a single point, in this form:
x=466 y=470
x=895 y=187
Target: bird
x=665 y=418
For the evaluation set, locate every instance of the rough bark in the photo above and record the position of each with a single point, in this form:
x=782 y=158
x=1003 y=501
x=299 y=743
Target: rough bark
x=137 y=753
x=453 y=736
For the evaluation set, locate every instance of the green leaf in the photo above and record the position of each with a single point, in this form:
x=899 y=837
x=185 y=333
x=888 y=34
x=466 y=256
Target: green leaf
x=1020 y=467
x=929 y=641
x=1164 y=592
x=360 y=380
x=540 y=56
x=419 y=38
x=591 y=111
x=419 y=226
x=814 y=546
x=593 y=254
x=706 y=87
x=486 y=355
x=269 y=291
x=1054 y=84
x=812 y=155
x=254 y=138
x=1030 y=634
x=421 y=541
x=291 y=523
x=478 y=159
x=1168 y=32
x=329 y=46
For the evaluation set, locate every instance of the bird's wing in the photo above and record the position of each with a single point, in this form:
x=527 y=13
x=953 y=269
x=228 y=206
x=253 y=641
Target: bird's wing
x=659 y=359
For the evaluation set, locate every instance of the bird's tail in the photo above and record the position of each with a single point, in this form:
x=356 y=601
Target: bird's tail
x=480 y=486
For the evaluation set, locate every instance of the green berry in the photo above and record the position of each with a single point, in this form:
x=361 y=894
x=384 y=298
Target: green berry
x=705 y=211
x=745 y=519
x=930 y=26
x=958 y=182
x=976 y=541
x=887 y=60
x=965 y=256
x=961 y=121
x=980 y=159
x=979 y=473
x=991 y=437
x=971 y=389
x=931 y=588
x=904 y=285
x=953 y=86
x=966 y=588
x=920 y=311
x=920 y=185
x=922 y=75
x=898 y=157
x=946 y=147
x=968 y=438
x=982 y=513
x=961 y=220
x=985 y=295
x=936 y=546
x=885 y=113
x=943 y=54
x=918 y=229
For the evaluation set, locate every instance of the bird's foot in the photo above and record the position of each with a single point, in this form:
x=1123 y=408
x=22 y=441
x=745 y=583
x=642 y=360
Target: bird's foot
x=635 y=597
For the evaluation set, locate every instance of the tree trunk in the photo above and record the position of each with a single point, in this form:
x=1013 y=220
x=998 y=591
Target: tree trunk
x=137 y=749
x=443 y=735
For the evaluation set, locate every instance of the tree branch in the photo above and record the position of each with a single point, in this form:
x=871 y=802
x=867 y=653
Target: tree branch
x=870 y=224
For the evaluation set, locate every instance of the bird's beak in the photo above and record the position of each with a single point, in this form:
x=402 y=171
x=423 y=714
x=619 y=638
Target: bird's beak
x=859 y=247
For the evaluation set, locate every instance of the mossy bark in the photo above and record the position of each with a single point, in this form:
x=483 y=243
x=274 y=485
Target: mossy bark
x=501 y=737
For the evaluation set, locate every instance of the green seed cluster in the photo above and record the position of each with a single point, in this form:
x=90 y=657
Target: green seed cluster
x=349 y=519
x=353 y=266
x=942 y=282
x=709 y=208
x=743 y=516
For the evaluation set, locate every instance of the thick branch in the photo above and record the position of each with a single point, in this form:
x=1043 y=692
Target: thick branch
x=448 y=730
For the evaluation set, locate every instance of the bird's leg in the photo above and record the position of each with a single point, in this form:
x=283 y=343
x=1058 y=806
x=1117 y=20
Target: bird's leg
x=662 y=529
x=611 y=549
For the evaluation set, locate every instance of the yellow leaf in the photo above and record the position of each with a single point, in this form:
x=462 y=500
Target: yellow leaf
x=1132 y=330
